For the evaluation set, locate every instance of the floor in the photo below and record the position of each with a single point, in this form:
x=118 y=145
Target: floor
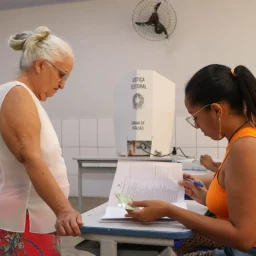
x=68 y=243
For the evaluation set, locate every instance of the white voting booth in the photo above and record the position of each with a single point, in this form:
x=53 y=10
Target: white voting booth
x=144 y=114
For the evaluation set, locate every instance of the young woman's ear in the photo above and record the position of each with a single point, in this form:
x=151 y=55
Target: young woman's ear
x=217 y=108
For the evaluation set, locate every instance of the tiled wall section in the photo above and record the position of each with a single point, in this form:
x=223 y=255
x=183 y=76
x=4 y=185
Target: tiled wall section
x=95 y=137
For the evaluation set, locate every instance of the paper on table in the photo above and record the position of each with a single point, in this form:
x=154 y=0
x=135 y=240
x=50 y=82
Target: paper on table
x=116 y=213
x=145 y=181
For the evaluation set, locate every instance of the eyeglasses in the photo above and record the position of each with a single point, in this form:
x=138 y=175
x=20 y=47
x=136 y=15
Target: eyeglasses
x=192 y=119
x=62 y=73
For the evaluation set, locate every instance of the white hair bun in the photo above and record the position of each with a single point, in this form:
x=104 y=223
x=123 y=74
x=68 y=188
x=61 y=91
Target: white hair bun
x=42 y=33
x=18 y=41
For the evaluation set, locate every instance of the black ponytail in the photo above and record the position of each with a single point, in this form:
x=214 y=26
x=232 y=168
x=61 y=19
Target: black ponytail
x=247 y=86
x=218 y=83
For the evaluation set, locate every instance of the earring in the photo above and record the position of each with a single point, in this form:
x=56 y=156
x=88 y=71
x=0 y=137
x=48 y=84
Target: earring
x=220 y=135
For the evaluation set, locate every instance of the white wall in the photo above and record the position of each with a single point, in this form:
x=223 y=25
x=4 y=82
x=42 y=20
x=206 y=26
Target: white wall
x=107 y=47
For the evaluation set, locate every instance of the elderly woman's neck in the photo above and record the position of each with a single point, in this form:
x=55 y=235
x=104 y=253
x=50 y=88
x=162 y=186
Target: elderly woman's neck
x=28 y=81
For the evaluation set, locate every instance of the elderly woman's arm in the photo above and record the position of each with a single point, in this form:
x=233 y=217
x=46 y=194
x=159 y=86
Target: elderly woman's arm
x=20 y=128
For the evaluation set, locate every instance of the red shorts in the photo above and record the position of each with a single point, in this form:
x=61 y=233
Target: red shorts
x=29 y=244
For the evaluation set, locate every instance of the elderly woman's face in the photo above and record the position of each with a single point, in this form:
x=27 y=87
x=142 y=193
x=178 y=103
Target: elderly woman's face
x=60 y=72
x=53 y=76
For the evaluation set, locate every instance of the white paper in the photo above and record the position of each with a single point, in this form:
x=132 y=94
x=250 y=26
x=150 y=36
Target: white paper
x=145 y=181
x=116 y=213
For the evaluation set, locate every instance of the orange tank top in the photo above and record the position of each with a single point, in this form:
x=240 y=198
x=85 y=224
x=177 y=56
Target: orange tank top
x=216 y=199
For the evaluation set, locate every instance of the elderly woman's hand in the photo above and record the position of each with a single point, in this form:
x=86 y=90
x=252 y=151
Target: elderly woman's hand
x=68 y=222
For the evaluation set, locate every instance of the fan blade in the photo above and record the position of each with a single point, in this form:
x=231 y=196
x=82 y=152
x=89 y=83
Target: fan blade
x=156 y=7
x=141 y=23
x=165 y=31
x=160 y=28
x=153 y=20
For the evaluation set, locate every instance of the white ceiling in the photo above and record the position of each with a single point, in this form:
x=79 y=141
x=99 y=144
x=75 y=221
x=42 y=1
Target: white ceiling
x=16 y=4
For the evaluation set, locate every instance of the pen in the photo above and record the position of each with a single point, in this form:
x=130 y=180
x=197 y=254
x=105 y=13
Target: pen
x=196 y=183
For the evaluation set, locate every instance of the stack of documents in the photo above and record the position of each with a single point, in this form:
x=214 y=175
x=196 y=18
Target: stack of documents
x=144 y=180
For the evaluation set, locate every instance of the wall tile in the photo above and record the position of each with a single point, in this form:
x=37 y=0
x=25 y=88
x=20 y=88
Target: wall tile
x=106 y=137
x=185 y=133
x=86 y=152
x=107 y=151
x=222 y=143
x=88 y=133
x=221 y=153
x=70 y=133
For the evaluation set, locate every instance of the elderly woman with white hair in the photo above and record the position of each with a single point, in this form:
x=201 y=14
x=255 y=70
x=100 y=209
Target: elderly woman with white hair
x=33 y=178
